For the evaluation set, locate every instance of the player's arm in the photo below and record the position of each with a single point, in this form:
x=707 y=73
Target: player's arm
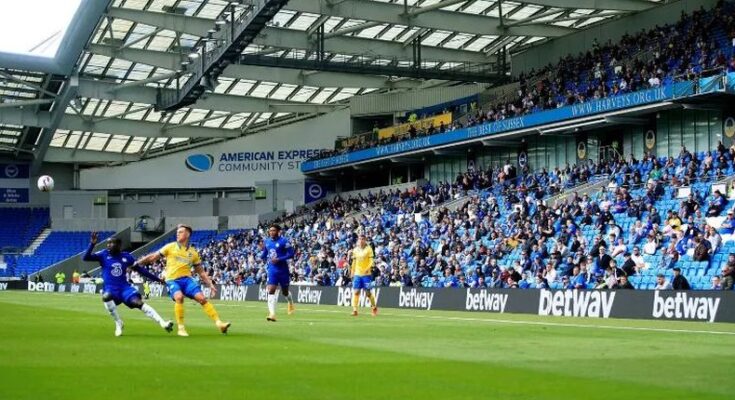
x=153 y=257
x=144 y=272
x=89 y=255
x=351 y=261
x=290 y=251
x=263 y=251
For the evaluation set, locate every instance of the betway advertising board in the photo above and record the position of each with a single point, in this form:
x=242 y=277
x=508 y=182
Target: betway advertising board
x=273 y=154
x=703 y=306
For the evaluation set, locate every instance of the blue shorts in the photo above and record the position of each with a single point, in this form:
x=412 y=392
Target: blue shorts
x=278 y=277
x=362 y=282
x=122 y=294
x=186 y=285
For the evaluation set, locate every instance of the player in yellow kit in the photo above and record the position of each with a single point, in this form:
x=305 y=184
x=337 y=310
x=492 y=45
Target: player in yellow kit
x=362 y=276
x=180 y=258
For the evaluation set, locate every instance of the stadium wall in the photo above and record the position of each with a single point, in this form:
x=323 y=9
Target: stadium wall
x=400 y=101
x=63 y=175
x=702 y=306
x=276 y=153
x=551 y=51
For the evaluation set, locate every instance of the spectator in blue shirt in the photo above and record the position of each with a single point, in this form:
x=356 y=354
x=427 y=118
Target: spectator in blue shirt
x=716 y=204
x=728 y=225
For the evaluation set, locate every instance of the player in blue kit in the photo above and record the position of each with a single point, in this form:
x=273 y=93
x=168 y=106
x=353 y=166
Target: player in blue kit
x=116 y=288
x=276 y=250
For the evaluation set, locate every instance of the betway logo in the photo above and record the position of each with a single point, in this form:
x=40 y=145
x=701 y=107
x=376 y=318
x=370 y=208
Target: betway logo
x=90 y=288
x=40 y=287
x=486 y=301
x=309 y=295
x=75 y=288
x=685 y=306
x=262 y=294
x=232 y=292
x=3 y=285
x=415 y=299
x=344 y=298
x=576 y=303
x=61 y=288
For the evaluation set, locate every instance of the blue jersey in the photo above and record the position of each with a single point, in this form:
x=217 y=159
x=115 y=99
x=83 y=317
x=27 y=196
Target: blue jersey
x=280 y=249
x=113 y=266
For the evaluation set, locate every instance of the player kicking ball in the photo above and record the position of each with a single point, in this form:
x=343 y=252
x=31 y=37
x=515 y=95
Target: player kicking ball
x=276 y=250
x=362 y=277
x=180 y=258
x=116 y=289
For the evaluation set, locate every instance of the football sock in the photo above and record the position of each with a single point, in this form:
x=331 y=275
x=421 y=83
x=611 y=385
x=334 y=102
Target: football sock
x=210 y=311
x=289 y=298
x=371 y=297
x=179 y=313
x=112 y=309
x=272 y=301
x=355 y=299
x=152 y=314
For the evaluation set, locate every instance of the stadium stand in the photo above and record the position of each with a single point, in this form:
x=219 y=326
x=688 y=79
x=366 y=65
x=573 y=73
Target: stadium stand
x=505 y=236
x=58 y=246
x=21 y=225
x=696 y=46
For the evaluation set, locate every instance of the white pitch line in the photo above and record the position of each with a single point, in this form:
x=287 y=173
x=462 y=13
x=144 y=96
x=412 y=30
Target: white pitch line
x=510 y=322
x=499 y=321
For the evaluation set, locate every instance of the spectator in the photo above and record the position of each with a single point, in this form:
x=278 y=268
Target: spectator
x=701 y=253
x=728 y=278
x=716 y=204
x=624 y=284
x=716 y=283
x=680 y=282
x=662 y=283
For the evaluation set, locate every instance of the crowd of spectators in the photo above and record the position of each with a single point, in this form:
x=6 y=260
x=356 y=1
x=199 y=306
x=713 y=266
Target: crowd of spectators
x=505 y=234
x=699 y=44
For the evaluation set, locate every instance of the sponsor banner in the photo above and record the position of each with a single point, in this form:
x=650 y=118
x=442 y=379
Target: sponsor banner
x=511 y=124
x=425 y=123
x=15 y=171
x=14 y=183
x=316 y=190
x=704 y=306
x=244 y=162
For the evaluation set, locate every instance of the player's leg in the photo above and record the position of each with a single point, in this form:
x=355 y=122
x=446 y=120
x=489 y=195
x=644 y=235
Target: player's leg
x=193 y=291
x=373 y=301
x=177 y=295
x=357 y=285
x=133 y=300
x=111 y=302
x=285 y=280
x=271 y=287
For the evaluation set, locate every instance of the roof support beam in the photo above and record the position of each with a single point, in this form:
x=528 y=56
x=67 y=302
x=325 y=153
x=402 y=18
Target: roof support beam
x=237 y=71
x=58 y=110
x=26 y=84
x=426 y=17
x=386 y=13
x=23 y=103
x=64 y=155
x=115 y=126
x=621 y=5
x=214 y=101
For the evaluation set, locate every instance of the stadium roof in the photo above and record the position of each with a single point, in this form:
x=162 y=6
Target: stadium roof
x=140 y=45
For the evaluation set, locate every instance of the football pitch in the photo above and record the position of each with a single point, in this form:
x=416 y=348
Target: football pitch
x=61 y=346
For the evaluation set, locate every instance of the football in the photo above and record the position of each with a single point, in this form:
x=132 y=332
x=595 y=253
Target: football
x=45 y=183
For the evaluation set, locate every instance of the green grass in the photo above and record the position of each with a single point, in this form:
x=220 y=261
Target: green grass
x=55 y=346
